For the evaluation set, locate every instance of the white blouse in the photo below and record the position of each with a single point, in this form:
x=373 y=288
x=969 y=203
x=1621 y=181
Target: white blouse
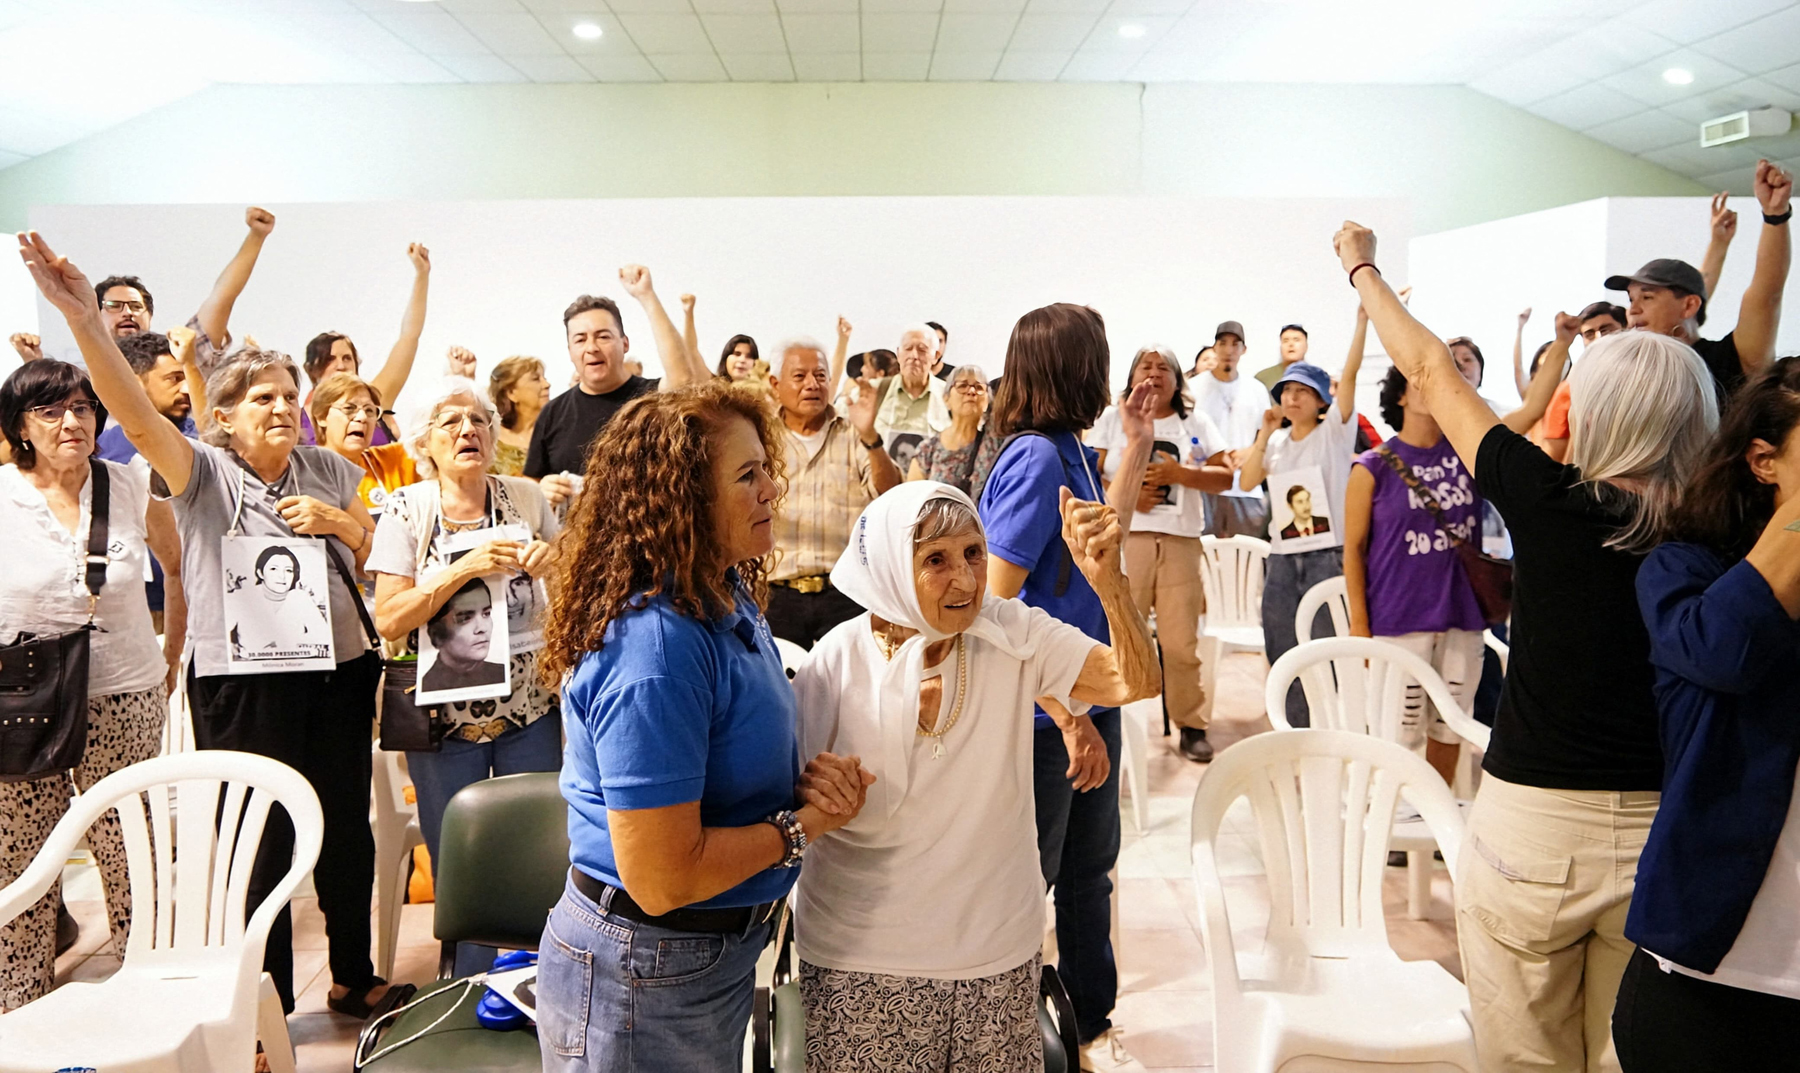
x=43 y=591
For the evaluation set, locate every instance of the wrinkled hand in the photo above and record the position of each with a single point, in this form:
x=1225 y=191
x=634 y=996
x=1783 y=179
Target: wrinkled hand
x=419 y=256
x=1568 y=326
x=687 y=303
x=535 y=559
x=843 y=327
x=1774 y=188
x=1724 y=221
x=1088 y=763
x=29 y=347
x=310 y=517
x=1093 y=534
x=865 y=403
x=1164 y=468
x=493 y=557
x=1137 y=414
x=636 y=279
x=259 y=221
x=181 y=343
x=461 y=361
x=62 y=284
x=556 y=488
x=1524 y=316
x=1354 y=244
x=838 y=786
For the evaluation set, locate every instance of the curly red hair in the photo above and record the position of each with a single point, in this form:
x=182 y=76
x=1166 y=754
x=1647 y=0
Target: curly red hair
x=643 y=525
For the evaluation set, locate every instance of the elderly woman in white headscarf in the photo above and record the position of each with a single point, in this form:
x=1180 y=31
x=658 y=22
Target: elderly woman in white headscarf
x=919 y=923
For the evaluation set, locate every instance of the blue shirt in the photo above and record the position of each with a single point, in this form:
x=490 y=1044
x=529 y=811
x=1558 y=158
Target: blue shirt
x=112 y=445
x=670 y=710
x=1724 y=651
x=1021 y=511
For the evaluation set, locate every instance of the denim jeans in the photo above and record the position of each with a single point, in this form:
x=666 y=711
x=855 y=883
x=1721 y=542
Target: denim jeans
x=1078 y=844
x=1285 y=580
x=437 y=776
x=616 y=996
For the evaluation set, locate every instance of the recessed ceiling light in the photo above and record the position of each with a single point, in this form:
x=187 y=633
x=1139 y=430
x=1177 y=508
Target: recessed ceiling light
x=1678 y=76
x=1131 y=29
x=588 y=31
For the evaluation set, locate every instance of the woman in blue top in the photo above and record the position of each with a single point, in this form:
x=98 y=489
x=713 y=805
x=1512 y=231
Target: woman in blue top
x=682 y=770
x=1715 y=981
x=1055 y=388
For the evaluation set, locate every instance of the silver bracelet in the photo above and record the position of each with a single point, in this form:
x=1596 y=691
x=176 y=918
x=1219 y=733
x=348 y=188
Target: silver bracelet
x=791 y=830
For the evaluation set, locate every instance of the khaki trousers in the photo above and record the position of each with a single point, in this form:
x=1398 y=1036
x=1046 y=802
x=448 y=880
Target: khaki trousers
x=1165 y=577
x=1542 y=887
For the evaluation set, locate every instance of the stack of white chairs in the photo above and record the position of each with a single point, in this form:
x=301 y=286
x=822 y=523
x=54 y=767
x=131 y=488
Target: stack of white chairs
x=1232 y=570
x=396 y=825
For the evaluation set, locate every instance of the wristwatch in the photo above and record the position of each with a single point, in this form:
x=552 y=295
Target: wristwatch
x=876 y=446
x=795 y=834
x=1782 y=219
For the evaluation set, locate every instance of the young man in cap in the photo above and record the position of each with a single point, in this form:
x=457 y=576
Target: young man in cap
x=1235 y=403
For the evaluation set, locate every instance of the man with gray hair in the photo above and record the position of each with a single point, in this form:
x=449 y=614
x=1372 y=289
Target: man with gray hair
x=910 y=406
x=835 y=466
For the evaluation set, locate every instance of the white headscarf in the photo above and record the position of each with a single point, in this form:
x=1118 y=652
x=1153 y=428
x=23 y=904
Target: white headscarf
x=876 y=570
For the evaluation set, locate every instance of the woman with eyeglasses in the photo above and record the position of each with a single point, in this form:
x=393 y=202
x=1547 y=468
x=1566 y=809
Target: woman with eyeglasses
x=331 y=353
x=956 y=454
x=248 y=479
x=418 y=571
x=348 y=415
x=50 y=414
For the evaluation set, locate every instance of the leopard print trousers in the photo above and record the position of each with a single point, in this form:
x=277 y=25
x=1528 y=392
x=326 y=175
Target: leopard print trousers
x=123 y=728
x=858 y=1022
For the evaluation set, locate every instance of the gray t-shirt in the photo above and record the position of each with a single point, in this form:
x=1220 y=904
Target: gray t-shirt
x=204 y=512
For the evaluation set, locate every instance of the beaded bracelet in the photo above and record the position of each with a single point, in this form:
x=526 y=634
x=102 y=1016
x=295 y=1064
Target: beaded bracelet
x=795 y=834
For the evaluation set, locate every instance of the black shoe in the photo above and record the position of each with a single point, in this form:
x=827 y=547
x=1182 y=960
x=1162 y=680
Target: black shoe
x=1396 y=858
x=1194 y=745
x=68 y=929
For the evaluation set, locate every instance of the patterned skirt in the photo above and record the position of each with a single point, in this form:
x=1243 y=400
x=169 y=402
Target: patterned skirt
x=858 y=1022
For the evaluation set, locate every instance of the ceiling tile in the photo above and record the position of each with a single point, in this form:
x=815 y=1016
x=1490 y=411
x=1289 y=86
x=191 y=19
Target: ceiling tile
x=1739 y=181
x=896 y=31
x=1169 y=65
x=689 y=67
x=622 y=68
x=1787 y=78
x=1105 y=36
x=7 y=160
x=1768 y=44
x=834 y=33
x=1586 y=106
x=1750 y=93
x=481 y=5
x=1050 y=33
x=1607 y=49
x=613 y=39
x=1150 y=7
x=828 y=66
x=975 y=33
x=651 y=7
x=896 y=66
x=1645 y=82
x=901 y=5
x=964 y=66
x=511 y=34
x=667 y=34
x=789 y=7
x=1066 y=7
x=735 y=7
x=484 y=68
x=990 y=7
x=400 y=67
x=745 y=34
x=431 y=30
x=1685 y=20
x=1692 y=160
x=1024 y=65
x=1090 y=66
x=758 y=66
x=551 y=68
x=1645 y=131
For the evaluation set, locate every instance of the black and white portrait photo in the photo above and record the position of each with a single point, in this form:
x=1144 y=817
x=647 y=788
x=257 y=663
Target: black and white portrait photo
x=463 y=648
x=276 y=597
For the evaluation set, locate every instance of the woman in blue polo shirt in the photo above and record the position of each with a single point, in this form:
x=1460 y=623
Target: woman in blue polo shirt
x=1715 y=981
x=688 y=806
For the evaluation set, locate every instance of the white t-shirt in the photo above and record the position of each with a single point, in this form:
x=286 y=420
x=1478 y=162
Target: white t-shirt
x=1236 y=407
x=1191 y=440
x=1331 y=446
x=1766 y=955
x=43 y=589
x=950 y=886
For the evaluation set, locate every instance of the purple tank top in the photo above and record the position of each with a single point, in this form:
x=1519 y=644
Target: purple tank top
x=1416 y=582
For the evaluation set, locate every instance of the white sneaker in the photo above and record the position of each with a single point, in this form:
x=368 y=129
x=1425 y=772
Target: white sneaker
x=1106 y=1053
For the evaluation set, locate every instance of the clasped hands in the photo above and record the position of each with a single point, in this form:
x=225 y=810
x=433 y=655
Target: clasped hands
x=836 y=786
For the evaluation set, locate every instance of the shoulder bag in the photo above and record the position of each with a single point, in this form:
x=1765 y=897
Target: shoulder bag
x=1491 y=578
x=44 y=680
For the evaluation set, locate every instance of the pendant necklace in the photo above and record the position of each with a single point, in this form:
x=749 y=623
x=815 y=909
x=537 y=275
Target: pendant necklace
x=962 y=677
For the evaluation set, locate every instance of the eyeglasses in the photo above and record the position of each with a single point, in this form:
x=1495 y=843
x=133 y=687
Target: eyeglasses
x=113 y=306
x=371 y=412
x=973 y=387
x=54 y=414
x=452 y=420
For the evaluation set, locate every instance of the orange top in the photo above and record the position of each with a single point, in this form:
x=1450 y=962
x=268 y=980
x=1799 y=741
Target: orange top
x=385 y=468
x=1556 y=418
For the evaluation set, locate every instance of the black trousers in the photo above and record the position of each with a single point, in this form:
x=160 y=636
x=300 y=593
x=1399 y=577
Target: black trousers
x=805 y=617
x=318 y=723
x=1665 y=1022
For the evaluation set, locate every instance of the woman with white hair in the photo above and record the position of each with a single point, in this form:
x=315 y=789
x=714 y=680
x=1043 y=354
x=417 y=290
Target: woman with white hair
x=918 y=923
x=1574 y=770
x=418 y=571
x=954 y=455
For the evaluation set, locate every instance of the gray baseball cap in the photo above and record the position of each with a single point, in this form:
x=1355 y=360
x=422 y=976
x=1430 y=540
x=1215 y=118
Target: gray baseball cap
x=1230 y=327
x=1676 y=275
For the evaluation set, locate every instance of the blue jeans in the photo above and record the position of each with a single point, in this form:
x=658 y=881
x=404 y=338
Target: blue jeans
x=437 y=776
x=616 y=996
x=1285 y=579
x=1078 y=844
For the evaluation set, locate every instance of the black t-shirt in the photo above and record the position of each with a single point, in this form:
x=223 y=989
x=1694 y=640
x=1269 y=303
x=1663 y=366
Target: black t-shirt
x=559 y=440
x=944 y=372
x=1576 y=711
x=1721 y=356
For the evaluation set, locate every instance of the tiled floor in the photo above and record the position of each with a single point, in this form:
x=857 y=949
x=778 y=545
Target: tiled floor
x=1164 y=1004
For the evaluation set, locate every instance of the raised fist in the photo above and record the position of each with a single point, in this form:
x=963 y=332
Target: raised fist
x=462 y=362
x=1568 y=326
x=29 y=346
x=420 y=257
x=1524 y=316
x=1774 y=188
x=843 y=328
x=261 y=221
x=687 y=303
x=637 y=281
x=1354 y=244
x=1724 y=221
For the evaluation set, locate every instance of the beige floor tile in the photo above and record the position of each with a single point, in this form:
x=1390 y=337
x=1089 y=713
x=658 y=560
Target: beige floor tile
x=1168 y=959
x=1167 y=1028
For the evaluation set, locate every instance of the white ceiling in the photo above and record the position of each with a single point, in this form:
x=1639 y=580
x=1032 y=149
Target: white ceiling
x=76 y=67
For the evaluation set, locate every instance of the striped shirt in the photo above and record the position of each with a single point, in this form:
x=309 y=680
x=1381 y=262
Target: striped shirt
x=829 y=484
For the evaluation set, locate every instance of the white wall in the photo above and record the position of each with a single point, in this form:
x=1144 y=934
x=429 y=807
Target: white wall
x=1159 y=269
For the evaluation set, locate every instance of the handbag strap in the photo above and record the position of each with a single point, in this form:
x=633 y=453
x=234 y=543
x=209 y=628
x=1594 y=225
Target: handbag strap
x=1398 y=465
x=355 y=595
x=99 y=517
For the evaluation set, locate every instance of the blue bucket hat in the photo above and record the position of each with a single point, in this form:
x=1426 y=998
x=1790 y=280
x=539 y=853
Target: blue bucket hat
x=1302 y=372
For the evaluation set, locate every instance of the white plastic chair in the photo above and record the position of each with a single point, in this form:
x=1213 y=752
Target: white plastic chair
x=1134 y=756
x=1233 y=571
x=792 y=655
x=1327 y=991
x=191 y=994
x=1359 y=684
x=1501 y=648
x=396 y=826
x=1332 y=594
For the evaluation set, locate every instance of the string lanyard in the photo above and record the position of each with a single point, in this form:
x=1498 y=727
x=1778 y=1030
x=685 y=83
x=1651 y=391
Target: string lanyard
x=490 y=519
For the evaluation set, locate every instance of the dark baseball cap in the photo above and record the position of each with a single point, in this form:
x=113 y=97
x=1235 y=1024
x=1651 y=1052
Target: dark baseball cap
x=1676 y=275
x=1229 y=327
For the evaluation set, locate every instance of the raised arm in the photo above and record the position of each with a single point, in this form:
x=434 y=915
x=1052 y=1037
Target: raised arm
x=690 y=335
x=1520 y=381
x=840 y=356
x=164 y=540
x=1359 y=498
x=679 y=367
x=1536 y=397
x=1724 y=228
x=1127 y=669
x=1420 y=354
x=67 y=289
x=1139 y=427
x=215 y=312
x=393 y=374
x=1346 y=400
x=883 y=473
x=1255 y=468
x=1759 y=315
x=181 y=344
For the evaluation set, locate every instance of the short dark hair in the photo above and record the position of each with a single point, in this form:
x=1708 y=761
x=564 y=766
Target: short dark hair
x=143 y=350
x=318 y=354
x=1393 y=387
x=1463 y=340
x=1286 y=328
x=938 y=328
x=1603 y=308
x=1296 y=490
x=1056 y=365
x=725 y=355
x=271 y=552
x=885 y=362
x=133 y=282
x=44 y=382
x=438 y=626
x=1538 y=358
x=587 y=303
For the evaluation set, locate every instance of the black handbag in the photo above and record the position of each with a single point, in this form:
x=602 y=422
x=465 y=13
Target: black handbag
x=403 y=726
x=44 y=680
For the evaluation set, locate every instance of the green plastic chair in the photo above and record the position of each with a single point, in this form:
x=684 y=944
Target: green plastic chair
x=502 y=860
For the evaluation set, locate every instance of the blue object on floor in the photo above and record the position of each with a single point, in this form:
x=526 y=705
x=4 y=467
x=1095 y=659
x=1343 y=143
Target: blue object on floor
x=495 y=1011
